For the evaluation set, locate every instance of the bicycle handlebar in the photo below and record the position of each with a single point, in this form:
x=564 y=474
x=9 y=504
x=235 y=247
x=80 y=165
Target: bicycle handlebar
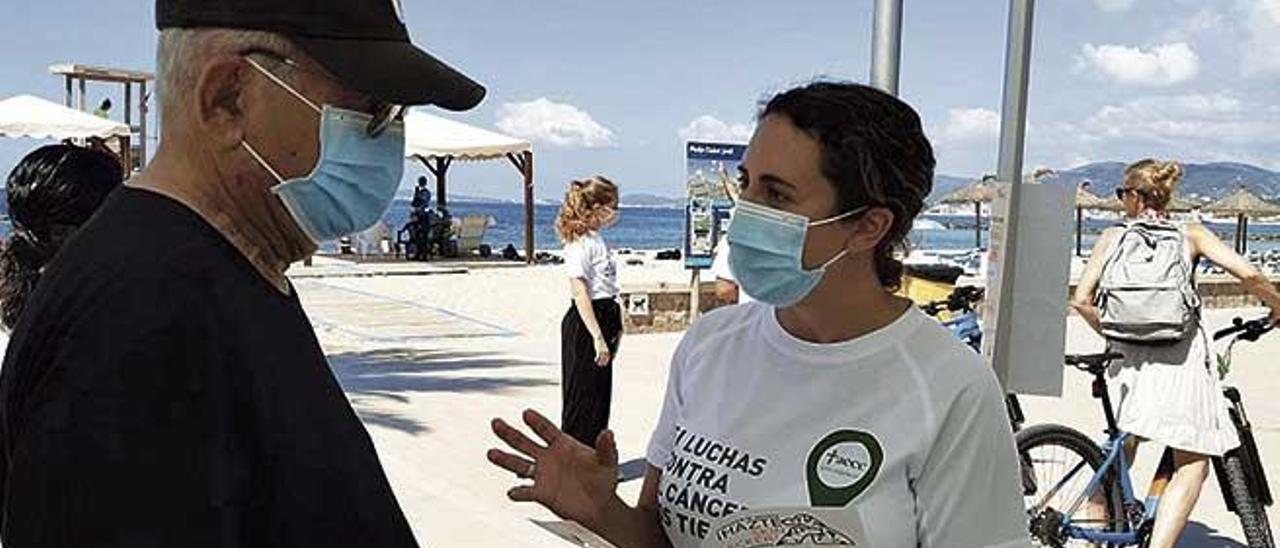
x=1251 y=330
x=962 y=298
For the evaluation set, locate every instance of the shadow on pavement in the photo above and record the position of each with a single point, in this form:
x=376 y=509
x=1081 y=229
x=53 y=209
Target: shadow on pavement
x=379 y=379
x=1199 y=535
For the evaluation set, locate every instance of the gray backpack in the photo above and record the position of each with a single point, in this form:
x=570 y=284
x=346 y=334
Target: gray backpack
x=1147 y=293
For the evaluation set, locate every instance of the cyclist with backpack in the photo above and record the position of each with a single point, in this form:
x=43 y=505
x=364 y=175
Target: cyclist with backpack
x=1139 y=292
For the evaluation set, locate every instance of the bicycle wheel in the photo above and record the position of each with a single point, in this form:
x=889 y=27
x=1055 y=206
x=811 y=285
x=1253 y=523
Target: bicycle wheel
x=1253 y=515
x=1057 y=466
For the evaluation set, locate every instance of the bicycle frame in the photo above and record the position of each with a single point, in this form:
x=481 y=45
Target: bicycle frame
x=965 y=327
x=1135 y=517
x=1116 y=459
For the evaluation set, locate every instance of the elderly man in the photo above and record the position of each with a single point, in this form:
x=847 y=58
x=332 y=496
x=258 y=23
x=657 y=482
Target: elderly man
x=164 y=387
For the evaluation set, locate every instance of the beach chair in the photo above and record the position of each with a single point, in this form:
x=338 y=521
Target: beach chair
x=470 y=231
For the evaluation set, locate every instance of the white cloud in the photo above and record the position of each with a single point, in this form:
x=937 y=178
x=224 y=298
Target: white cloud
x=557 y=124
x=1220 y=126
x=1206 y=20
x=1229 y=125
x=1219 y=117
x=710 y=128
x=1262 y=36
x=1115 y=5
x=1162 y=65
x=969 y=124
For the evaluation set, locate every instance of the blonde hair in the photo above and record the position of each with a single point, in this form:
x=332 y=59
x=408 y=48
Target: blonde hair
x=580 y=213
x=1153 y=180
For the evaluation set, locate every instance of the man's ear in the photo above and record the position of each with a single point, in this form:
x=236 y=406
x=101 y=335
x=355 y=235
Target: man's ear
x=869 y=229
x=219 y=100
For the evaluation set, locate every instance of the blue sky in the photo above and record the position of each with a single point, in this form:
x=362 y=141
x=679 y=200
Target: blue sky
x=614 y=88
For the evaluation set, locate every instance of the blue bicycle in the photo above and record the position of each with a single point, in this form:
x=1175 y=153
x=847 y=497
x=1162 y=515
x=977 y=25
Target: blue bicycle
x=964 y=325
x=1079 y=493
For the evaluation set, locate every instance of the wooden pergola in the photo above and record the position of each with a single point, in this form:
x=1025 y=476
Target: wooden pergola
x=437 y=142
x=76 y=77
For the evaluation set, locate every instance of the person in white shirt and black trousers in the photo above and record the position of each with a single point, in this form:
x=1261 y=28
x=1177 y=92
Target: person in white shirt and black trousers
x=592 y=327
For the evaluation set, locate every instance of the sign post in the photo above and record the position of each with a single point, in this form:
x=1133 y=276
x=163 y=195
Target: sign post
x=1029 y=309
x=711 y=169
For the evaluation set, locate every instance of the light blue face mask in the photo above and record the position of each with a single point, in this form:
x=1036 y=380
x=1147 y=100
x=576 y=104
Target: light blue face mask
x=355 y=178
x=766 y=250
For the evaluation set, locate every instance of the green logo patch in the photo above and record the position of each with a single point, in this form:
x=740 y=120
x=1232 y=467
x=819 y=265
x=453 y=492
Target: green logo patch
x=842 y=466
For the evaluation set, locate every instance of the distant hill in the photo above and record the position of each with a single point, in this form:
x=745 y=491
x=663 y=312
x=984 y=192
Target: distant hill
x=651 y=200
x=1200 y=181
x=946 y=184
x=463 y=199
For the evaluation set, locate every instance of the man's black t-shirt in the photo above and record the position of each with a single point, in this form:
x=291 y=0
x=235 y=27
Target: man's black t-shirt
x=159 y=392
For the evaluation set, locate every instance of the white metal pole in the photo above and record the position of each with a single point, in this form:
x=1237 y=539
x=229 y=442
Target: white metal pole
x=1009 y=169
x=886 y=45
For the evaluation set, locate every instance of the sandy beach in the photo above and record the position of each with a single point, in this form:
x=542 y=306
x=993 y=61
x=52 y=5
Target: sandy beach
x=428 y=359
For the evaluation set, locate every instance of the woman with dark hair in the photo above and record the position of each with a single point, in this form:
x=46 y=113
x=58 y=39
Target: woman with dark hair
x=830 y=411
x=51 y=192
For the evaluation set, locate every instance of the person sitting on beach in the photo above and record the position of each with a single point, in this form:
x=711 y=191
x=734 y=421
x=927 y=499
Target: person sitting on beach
x=165 y=387
x=421 y=196
x=50 y=193
x=592 y=327
x=1169 y=393
x=831 y=406
x=726 y=285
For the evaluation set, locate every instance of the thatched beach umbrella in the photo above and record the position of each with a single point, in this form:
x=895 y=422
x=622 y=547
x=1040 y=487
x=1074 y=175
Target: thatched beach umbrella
x=977 y=193
x=1085 y=200
x=1243 y=204
x=1177 y=204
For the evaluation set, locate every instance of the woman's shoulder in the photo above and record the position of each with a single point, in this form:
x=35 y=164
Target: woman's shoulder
x=1112 y=232
x=715 y=326
x=590 y=240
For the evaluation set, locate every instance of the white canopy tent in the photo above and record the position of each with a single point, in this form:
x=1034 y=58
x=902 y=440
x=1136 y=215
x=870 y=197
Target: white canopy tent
x=431 y=136
x=27 y=116
x=437 y=142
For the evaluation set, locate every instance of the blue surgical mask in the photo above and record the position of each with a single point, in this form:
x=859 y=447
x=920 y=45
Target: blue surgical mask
x=355 y=177
x=766 y=250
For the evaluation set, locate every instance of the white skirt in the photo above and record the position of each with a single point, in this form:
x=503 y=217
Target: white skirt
x=1171 y=394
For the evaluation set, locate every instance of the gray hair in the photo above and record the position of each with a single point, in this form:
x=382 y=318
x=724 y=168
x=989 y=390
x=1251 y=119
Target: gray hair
x=182 y=53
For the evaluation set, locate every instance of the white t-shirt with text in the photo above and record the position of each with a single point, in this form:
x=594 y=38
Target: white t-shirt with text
x=898 y=438
x=589 y=258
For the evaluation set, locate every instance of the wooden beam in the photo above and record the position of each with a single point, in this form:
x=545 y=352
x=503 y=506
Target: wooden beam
x=516 y=161
x=128 y=106
x=102 y=74
x=527 y=171
x=977 y=225
x=1079 y=229
x=143 y=97
x=441 y=171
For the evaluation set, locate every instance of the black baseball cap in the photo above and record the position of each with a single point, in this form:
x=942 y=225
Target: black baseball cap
x=362 y=42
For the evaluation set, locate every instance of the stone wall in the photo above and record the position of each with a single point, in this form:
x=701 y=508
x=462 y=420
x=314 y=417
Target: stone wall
x=1220 y=292
x=667 y=305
